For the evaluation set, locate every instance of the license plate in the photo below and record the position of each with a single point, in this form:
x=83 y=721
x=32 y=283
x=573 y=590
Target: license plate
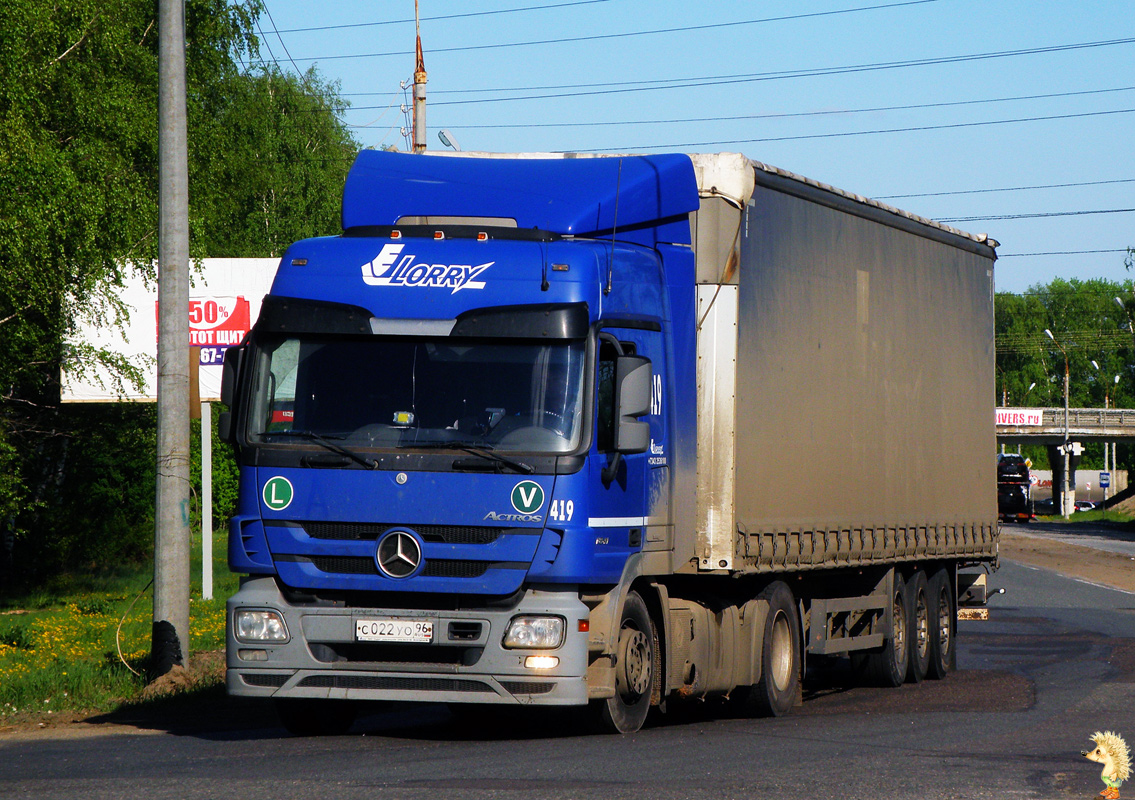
x=394 y=630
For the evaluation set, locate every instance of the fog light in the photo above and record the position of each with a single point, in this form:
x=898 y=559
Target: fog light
x=259 y=626
x=540 y=633
x=252 y=655
x=541 y=662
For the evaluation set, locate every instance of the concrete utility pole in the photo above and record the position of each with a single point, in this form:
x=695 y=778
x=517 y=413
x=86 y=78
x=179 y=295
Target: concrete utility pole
x=1066 y=494
x=419 y=90
x=170 y=642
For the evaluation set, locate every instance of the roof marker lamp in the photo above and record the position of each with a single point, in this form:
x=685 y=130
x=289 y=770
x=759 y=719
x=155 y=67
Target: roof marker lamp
x=259 y=625
x=534 y=633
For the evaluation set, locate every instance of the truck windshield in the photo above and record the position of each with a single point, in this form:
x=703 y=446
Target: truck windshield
x=403 y=392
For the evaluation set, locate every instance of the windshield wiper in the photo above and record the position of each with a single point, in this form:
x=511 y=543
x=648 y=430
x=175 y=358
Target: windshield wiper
x=482 y=450
x=334 y=448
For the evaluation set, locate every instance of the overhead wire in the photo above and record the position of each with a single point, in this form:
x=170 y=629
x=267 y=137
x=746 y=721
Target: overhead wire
x=877 y=131
x=747 y=77
x=1005 y=189
x=1060 y=253
x=442 y=17
x=795 y=114
x=1037 y=215
x=281 y=40
x=625 y=87
x=626 y=34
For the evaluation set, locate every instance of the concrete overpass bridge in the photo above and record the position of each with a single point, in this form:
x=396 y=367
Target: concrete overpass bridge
x=1047 y=426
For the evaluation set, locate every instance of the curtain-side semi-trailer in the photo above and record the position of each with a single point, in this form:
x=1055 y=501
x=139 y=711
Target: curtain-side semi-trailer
x=606 y=430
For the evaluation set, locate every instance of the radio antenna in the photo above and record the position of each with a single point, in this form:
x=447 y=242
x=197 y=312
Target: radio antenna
x=614 y=229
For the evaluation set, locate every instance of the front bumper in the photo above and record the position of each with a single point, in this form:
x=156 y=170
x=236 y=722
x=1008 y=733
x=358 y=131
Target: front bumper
x=465 y=663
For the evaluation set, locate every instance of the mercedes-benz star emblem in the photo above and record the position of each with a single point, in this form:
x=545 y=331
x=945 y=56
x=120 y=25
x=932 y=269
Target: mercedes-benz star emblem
x=399 y=554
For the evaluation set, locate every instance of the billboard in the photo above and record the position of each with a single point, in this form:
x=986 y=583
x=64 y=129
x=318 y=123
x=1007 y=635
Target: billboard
x=224 y=302
x=1022 y=417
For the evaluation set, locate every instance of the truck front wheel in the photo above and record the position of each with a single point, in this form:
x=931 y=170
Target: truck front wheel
x=634 y=670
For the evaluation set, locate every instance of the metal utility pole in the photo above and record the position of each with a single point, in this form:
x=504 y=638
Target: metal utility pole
x=419 y=90
x=170 y=641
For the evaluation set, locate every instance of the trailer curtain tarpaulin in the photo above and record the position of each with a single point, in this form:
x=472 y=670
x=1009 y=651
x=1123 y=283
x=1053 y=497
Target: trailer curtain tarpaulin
x=224 y=300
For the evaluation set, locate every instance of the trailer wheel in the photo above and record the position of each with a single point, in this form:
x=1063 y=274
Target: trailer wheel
x=634 y=670
x=309 y=717
x=943 y=628
x=775 y=693
x=887 y=666
x=921 y=627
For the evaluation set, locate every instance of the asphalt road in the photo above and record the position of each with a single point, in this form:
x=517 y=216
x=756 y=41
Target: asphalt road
x=1055 y=663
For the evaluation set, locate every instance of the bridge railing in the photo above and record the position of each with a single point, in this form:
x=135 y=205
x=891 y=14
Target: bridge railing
x=1087 y=424
x=1090 y=417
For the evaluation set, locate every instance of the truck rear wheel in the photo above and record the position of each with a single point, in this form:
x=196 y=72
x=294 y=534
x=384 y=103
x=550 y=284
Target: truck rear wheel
x=634 y=670
x=775 y=693
x=920 y=627
x=309 y=717
x=887 y=666
x=943 y=627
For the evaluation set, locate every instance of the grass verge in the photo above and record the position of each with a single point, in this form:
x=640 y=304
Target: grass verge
x=59 y=649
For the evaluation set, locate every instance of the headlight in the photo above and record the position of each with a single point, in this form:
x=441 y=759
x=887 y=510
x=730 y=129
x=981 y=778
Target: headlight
x=259 y=626
x=542 y=633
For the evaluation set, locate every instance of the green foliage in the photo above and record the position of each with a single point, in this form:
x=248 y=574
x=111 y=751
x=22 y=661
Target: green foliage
x=1093 y=337
x=293 y=158
x=78 y=211
x=225 y=472
x=92 y=507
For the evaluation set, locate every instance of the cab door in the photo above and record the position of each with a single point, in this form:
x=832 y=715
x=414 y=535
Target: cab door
x=629 y=491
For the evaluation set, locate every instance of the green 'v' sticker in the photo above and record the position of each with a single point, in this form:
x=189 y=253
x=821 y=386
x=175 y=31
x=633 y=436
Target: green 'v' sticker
x=527 y=497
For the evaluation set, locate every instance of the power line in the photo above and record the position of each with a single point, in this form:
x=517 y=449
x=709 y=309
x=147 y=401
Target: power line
x=444 y=17
x=721 y=142
x=1039 y=215
x=798 y=114
x=751 y=77
x=1010 y=189
x=1059 y=253
x=281 y=40
x=627 y=34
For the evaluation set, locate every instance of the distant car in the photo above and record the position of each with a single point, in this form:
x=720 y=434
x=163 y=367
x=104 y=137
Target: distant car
x=1045 y=507
x=1084 y=505
x=1012 y=467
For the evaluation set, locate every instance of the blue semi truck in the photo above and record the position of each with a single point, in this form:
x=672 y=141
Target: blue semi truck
x=606 y=431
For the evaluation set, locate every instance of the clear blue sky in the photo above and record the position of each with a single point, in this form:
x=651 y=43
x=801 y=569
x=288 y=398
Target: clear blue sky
x=694 y=61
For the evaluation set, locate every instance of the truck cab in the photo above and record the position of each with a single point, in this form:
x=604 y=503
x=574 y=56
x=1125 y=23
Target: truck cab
x=451 y=431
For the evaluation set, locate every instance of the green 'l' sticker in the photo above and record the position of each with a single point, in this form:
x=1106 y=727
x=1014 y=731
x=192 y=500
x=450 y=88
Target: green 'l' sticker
x=278 y=493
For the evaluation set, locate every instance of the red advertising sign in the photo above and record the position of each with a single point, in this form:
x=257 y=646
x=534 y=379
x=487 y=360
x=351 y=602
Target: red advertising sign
x=215 y=324
x=1031 y=417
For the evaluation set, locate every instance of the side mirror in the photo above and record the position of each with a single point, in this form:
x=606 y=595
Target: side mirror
x=633 y=379
x=234 y=357
x=230 y=373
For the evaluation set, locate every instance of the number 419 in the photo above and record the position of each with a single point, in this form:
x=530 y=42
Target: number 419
x=561 y=510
